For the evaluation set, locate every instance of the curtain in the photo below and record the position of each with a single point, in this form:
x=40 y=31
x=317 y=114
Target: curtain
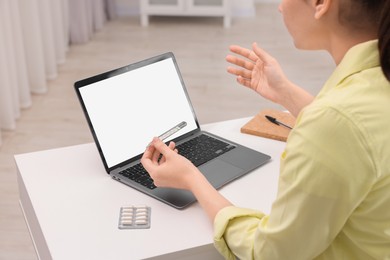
x=34 y=38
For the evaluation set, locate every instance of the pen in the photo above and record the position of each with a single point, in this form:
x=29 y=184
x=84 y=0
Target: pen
x=275 y=121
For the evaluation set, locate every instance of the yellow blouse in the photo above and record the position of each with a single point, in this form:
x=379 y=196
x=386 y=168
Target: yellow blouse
x=333 y=197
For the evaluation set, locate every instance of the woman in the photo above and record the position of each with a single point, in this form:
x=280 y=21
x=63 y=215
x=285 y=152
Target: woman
x=334 y=188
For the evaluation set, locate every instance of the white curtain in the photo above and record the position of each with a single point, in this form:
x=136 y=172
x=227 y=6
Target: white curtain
x=34 y=38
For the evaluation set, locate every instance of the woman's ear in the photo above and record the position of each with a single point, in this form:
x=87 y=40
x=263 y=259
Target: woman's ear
x=321 y=7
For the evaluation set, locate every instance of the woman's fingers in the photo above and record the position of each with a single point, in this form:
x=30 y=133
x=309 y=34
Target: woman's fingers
x=261 y=54
x=240 y=72
x=240 y=62
x=171 y=146
x=245 y=82
x=249 y=54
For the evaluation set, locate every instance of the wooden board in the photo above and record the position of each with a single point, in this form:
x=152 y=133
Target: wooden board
x=260 y=126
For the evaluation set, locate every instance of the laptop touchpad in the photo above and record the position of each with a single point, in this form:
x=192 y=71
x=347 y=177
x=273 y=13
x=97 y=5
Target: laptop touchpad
x=214 y=169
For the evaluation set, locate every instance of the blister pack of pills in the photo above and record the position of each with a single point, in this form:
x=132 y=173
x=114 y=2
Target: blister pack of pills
x=134 y=217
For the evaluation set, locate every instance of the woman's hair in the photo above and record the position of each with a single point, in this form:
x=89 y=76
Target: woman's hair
x=369 y=16
x=384 y=39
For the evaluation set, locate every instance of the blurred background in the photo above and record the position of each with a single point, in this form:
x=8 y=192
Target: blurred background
x=47 y=45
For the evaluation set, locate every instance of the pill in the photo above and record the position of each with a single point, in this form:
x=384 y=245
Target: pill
x=140 y=222
x=127 y=223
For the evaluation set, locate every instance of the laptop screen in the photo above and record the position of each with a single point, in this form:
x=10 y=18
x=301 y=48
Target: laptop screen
x=127 y=110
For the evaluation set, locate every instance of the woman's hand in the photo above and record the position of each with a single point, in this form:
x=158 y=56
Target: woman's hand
x=166 y=167
x=169 y=169
x=261 y=72
x=258 y=71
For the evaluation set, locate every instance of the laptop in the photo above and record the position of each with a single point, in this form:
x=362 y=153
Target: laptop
x=126 y=107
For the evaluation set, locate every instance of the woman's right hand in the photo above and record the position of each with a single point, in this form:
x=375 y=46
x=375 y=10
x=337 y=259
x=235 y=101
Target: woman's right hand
x=169 y=169
x=166 y=167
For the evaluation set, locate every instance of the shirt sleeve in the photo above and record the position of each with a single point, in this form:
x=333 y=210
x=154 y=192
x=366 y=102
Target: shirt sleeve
x=326 y=171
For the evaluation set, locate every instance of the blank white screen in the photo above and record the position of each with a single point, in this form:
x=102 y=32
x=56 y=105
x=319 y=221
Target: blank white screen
x=129 y=109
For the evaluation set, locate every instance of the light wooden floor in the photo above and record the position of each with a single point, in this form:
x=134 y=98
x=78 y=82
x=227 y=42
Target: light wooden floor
x=200 y=46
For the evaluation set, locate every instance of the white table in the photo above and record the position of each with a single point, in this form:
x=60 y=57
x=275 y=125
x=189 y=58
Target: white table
x=72 y=206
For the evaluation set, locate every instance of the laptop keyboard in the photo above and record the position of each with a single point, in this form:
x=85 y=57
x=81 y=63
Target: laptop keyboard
x=198 y=150
x=138 y=174
x=203 y=148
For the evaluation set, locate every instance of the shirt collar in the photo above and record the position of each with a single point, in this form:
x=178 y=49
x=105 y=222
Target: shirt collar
x=360 y=57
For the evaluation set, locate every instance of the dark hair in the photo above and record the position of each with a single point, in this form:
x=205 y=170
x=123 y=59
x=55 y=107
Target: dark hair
x=384 y=39
x=369 y=16
x=360 y=15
